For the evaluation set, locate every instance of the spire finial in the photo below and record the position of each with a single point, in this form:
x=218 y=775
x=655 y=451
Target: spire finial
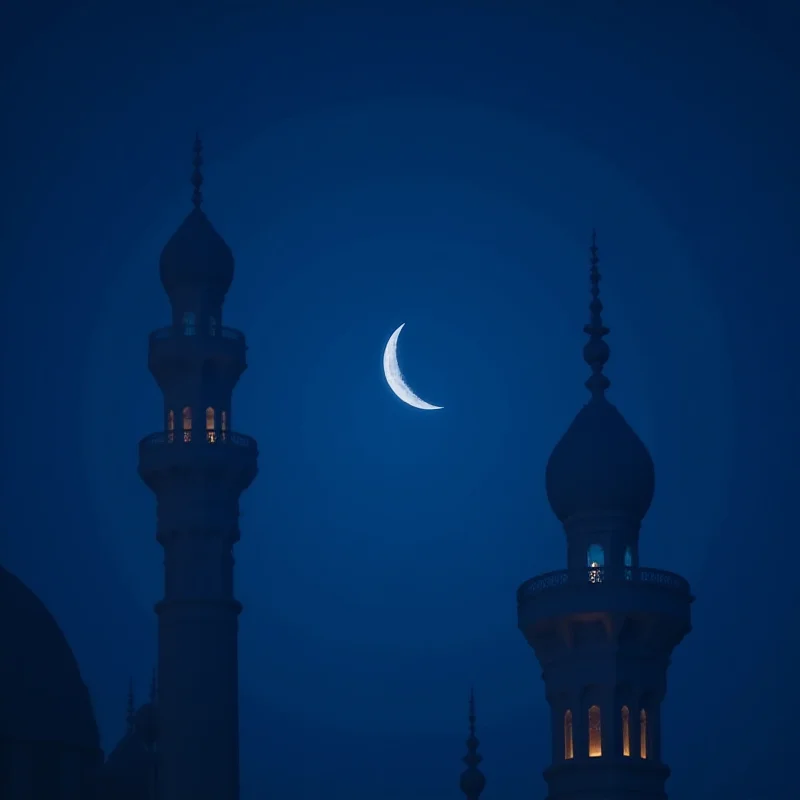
x=595 y=351
x=472 y=711
x=472 y=779
x=130 y=712
x=197 y=175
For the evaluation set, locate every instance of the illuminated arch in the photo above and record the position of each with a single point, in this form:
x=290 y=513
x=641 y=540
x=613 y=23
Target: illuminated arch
x=626 y=731
x=211 y=433
x=643 y=733
x=568 y=751
x=187 y=423
x=595 y=733
x=595 y=560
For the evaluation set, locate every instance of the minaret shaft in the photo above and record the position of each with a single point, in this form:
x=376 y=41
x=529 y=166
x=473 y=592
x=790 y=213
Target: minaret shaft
x=198 y=699
x=197 y=466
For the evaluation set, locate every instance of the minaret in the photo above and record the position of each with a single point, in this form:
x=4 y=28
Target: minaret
x=472 y=779
x=131 y=708
x=197 y=467
x=604 y=628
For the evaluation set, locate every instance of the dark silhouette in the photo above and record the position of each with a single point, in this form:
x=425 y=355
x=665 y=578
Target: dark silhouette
x=131 y=770
x=197 y=467
x=49 y=743
x=472 y=779
x=604 y=628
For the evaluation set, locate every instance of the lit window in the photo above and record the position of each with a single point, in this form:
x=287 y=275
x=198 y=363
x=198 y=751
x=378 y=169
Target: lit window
x=568 y=753
x=170 y=425
x=626 y=731
x=643 y=733
x=187 y=424
x=595 y=560
x=628 y=563
x=211 y=433
x=595 y=744
x=188 y=323
x=212 y=326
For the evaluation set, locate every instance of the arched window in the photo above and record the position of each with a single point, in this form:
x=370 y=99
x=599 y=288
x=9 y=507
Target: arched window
x=595 y=558
x=188 y=323
x=628 y=563
x=170 y=425
x=568 y=752
x=211 y=433
x=643 y=733
x=224 y=425
x=595 y=743
x=212 y=326
x=187 y=424
x=626 y=731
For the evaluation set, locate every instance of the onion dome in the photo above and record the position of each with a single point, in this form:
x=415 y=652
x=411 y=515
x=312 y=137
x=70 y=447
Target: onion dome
x=196 y=257
x=600 y=465
x=473 y=780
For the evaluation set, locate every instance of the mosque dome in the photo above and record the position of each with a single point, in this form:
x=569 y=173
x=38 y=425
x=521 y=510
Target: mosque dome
x=600 y=465
x=42 y=695
x=130 y=772
x=196 y=257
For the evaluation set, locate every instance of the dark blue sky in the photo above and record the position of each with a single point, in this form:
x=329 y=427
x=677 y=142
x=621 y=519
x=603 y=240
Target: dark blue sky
x=443 y=169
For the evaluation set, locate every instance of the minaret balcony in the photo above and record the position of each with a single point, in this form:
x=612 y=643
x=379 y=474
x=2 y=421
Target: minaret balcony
x=180 y=452
x=181 y=343
x=636 y=592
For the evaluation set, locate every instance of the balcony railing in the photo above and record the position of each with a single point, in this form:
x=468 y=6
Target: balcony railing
x=199 y=436
x=174 y=332
x=599 y=576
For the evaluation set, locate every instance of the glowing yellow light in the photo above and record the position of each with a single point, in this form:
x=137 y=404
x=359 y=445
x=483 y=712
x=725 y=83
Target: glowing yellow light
x=568 y=734
x=643 y=734
x=595 y=738
x=626 y=731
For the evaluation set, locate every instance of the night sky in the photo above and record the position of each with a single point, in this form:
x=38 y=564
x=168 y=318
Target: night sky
x=443 y=169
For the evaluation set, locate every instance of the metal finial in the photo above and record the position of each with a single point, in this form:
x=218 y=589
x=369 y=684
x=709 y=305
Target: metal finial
x=130 y=712
x=197 y=175
x=471 y=711
x=596 y=351
x=473 y=780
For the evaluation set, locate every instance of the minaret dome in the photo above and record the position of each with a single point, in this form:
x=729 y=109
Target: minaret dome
x=196 y=264
x=600 y=465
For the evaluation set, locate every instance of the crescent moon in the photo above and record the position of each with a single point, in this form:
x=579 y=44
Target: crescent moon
x=395 y=379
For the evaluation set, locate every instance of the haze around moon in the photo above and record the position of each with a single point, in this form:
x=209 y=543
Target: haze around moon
x=395 y=379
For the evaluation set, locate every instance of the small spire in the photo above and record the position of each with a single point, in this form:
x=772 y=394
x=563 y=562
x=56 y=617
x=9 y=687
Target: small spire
x=131 y=710
x=197 y=175
x=472 y=779
x=596 y=351
x=472 y=712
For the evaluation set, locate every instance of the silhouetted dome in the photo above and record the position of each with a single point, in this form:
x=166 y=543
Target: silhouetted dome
x=600 y=465
x=129 y=772
x=196 y=256
x=42 y=695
